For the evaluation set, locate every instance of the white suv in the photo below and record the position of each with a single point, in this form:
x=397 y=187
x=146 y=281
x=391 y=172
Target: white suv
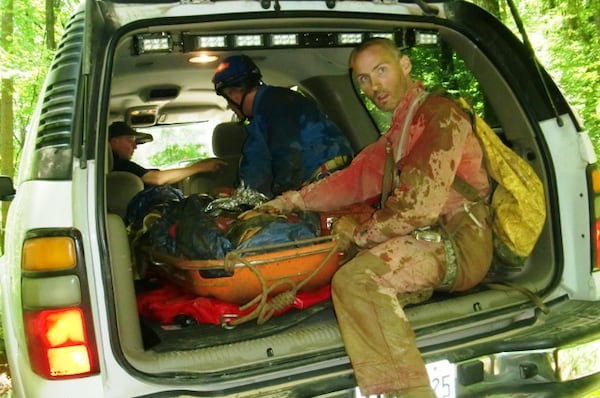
x=71 y=320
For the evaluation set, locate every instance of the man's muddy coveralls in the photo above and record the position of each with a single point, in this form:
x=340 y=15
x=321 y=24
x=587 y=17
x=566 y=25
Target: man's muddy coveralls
x=399 y=259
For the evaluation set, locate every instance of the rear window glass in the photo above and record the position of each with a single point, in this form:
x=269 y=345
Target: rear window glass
x=176 y=146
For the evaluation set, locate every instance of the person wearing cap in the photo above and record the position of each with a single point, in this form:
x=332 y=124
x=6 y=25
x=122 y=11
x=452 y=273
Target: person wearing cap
x=290 y=141
x=124 y=140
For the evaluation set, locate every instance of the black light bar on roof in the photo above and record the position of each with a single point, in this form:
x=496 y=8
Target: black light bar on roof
x=248 y=41
x=421 y=37
x=153 y=43
x=402 y=37
x=425 y=38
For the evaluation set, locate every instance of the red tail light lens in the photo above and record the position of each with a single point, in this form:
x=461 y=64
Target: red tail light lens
x=594 y=187
x=597 y=235
x=58 y=343
x=56 y=307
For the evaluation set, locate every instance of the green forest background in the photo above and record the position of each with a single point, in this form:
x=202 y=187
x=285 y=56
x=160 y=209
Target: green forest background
x=564 y=34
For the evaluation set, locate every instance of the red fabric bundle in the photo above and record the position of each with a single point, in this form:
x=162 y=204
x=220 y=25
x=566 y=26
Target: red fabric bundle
x=165 y=303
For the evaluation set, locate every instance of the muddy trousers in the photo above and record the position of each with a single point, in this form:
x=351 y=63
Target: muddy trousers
x=385 y=359
x=369 y=293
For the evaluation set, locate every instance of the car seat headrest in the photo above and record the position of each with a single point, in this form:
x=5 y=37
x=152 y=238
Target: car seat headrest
x=228 y=139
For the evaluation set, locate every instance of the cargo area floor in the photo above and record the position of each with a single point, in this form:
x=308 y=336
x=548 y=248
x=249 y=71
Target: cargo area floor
x=189 y=335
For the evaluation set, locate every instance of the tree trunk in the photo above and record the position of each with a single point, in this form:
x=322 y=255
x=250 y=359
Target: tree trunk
x=6 y=109
x=50 y=21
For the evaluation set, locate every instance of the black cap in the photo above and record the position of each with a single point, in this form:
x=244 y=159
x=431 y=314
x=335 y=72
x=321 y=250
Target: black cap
x=119 y=129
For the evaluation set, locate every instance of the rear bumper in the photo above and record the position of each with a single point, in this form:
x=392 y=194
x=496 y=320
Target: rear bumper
x=556 y=356
x=580 y=388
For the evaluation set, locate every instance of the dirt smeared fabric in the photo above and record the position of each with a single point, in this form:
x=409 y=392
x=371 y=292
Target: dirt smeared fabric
x=370 y=290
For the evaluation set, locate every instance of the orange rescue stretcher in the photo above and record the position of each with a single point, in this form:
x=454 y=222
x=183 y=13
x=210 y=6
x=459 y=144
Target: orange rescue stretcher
x=254 y=274
x=263 y=280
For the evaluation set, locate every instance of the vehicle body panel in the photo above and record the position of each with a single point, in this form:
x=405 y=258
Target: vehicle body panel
x=490 y=335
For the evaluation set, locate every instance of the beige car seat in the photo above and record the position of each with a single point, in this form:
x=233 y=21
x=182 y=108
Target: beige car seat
x=227 y=142
x=121 y=187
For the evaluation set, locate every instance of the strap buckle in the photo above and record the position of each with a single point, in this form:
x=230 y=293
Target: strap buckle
x=330 y=166
x=427 y=234
x=226 y=320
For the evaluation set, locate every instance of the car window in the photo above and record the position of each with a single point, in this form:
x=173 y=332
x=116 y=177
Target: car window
x=176 y=145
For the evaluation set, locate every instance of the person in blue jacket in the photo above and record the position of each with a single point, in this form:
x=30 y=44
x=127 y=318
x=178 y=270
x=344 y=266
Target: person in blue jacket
x=290 y=141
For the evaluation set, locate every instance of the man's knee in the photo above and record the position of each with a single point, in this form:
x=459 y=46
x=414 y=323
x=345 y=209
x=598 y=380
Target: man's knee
x=355 y=273
x=343 y=277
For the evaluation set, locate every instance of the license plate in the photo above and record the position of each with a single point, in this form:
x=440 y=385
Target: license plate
x=442 y=375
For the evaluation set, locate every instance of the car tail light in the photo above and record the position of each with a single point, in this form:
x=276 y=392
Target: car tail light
x=594 y=186
x=56 y=310
x=58 y=344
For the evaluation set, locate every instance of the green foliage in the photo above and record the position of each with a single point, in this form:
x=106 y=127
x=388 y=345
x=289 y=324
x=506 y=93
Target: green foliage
x=175 y=145
x=27 y=60
x=174 y=155
x=566 y=38
x=438 y=66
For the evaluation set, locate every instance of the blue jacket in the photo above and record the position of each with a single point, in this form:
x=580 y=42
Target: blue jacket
x=289 y=138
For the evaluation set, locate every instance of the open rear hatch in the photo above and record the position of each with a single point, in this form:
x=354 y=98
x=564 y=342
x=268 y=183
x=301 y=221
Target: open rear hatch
x=450 y=50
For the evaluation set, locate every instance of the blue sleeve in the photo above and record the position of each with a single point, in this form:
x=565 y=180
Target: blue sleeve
x=289 y=138
x=281 y=114
x=255 y=166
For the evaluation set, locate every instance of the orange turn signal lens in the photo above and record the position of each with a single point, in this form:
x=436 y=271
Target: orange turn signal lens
x=595 y=177
x=49 y=254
